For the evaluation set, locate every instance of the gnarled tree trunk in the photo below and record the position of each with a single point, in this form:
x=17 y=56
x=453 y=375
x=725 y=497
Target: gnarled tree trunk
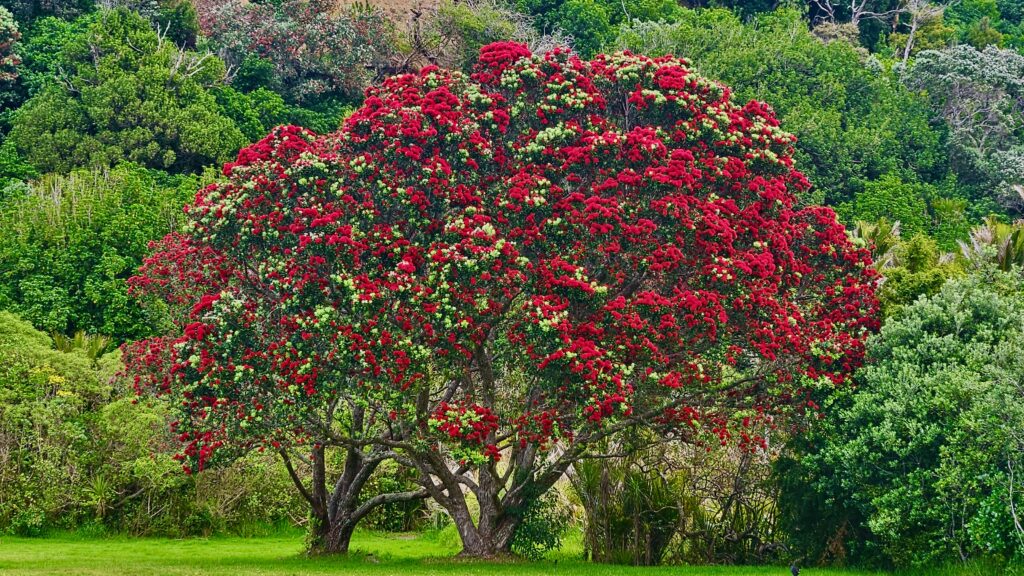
x=502 y=497
x=489 y=535
x=336 y=513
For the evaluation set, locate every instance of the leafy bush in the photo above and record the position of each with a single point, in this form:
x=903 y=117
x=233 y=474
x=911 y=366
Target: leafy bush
x=916 y=466
x=42 y=48
x=892 y=198
x=976 y=22
x=588 y=23
x=545 y=521
x=951 y=224
x=317 y=52
x=258 y=111
x=9 y=58
x=916 y=270
x=255 y=113
x=80 y=452
x=125 y=92
x=70 y=242
x=42 y=392
x=13 y=170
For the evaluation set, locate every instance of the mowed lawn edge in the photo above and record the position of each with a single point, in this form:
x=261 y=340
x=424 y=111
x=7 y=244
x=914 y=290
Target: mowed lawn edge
x=376 y=555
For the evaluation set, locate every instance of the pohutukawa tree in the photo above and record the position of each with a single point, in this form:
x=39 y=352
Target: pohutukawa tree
x=505 y=271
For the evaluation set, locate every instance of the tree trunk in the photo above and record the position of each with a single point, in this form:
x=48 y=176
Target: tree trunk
x=489 y=537
x=332 y=538
x=502 y=498
x=335 y=513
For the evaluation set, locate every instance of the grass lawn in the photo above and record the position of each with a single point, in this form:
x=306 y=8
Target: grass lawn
x=379 y=555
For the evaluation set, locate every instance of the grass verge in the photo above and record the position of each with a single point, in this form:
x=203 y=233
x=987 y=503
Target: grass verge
x=376 y=555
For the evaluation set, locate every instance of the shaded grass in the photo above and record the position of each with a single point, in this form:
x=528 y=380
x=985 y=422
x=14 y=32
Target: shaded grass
x=376 y=555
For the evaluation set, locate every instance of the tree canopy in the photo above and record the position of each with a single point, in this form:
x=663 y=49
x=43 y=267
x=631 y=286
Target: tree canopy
x=544 y=253
x=125 y=92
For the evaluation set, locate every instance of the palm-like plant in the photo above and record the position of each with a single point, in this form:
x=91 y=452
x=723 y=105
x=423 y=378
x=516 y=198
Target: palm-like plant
x=881 y=238
x=92 y=345
x=632 y=506
x=997 y=242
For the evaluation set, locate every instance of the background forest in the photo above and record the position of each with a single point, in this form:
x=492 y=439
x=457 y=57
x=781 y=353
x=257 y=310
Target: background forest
x=909 y=116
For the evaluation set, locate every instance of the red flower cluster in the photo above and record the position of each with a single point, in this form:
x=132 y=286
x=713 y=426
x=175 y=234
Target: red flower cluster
x=559 y=242
x=469 y=423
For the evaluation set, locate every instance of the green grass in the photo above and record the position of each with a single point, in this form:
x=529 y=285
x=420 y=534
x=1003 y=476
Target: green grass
x=378 y=555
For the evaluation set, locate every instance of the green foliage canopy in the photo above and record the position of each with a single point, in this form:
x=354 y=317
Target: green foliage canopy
x=917 y=269
x=123 y=92
x=70 y=241
x=917 y=465
x=79 y=450
x=889 y=197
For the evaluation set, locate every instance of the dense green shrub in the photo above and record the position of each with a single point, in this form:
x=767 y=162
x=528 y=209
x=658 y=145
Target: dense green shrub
x=916 y=466
x=976 y=22
x=892 y=198
x=13 y=170
x=588 y=23
x=950 y=222
x=545 y=521
x=77 y=451
x=42 y=51
x=255 y=113
x=125 y=93
x=69 y=243
x=916 y=270
x=42 y=391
